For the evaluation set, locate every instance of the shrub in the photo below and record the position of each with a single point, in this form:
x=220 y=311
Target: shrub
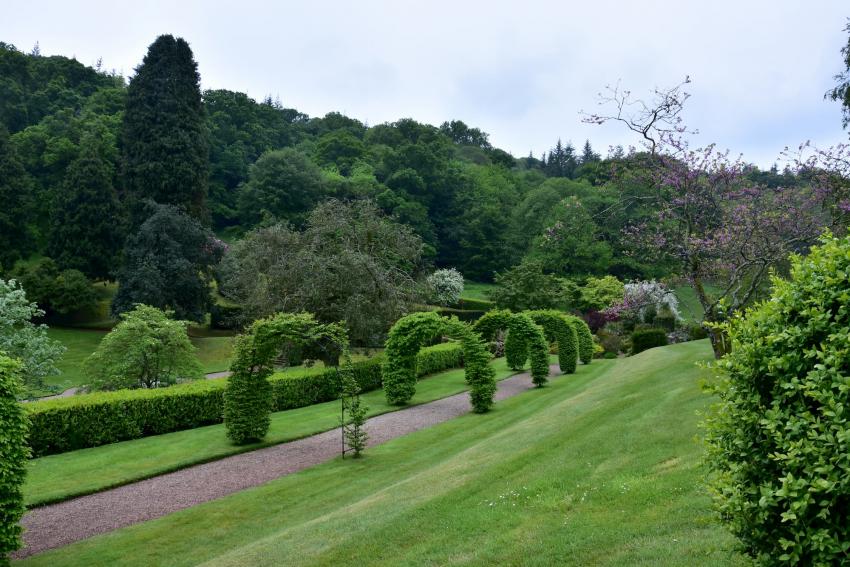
x=354 y=416
x=13 y=458
x=445 y=286
x=697 y=332
x=648 y=338
x=146 y=349
x=89 y=420
x=779 y=438
x=610 y=341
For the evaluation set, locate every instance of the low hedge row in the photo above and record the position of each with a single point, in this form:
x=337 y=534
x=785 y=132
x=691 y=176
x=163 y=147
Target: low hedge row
x=89 y=420
x=474 y=305
x=464 y=315
x=648 y=338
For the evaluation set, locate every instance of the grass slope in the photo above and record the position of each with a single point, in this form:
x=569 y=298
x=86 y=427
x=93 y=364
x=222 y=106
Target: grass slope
x=59 y=477
x=601 y=467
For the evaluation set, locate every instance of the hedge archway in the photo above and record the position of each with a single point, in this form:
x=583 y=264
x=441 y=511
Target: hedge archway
x=585 y=339
x=560 y=330
x=525 y=340
x=410 y=333
x=248 y=396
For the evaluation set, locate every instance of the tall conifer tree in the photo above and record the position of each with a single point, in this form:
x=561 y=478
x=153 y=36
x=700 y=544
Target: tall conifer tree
x=166 y=152
x=86 y=230
x=16 y=239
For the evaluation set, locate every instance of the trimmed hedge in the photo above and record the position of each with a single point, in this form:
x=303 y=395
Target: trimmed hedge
x=475 y=305
x=648 y=338
x=89 y=420
x=13 y=458
x=468 y=316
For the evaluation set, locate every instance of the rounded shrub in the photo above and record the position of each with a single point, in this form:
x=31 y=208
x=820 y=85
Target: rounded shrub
x=13 y=458
x=779 y=438
x=643 y=339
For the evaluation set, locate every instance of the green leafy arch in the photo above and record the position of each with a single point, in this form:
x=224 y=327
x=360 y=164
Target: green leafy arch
x=410 y=333
x=585 y=339
x=248 y=396
x=560 y=329
x=525 y=340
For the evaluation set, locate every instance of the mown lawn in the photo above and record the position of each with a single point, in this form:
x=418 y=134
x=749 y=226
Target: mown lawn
x=58 y=477
x=476 y=290
x=602 y=467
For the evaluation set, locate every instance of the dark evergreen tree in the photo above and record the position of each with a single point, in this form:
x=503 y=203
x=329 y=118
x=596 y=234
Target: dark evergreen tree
x=168 y=265
x=16 y=240
x=86 y=227
x=166 y=154
x=587 y=154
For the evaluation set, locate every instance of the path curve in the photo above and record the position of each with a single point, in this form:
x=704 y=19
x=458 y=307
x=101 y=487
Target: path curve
x=61 y=524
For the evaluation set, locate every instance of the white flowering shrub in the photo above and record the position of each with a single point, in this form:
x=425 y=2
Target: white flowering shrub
x=445 y=286
x=645 y=299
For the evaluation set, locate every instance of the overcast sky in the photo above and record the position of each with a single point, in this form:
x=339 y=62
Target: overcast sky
x=521 y=71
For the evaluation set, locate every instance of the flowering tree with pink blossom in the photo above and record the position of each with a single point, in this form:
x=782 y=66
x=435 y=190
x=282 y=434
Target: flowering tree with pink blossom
x=713 y=222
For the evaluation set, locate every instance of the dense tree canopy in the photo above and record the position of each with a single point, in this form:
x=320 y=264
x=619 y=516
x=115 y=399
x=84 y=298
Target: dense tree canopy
x=350 y=263
x=166 y=154
x=168 y=264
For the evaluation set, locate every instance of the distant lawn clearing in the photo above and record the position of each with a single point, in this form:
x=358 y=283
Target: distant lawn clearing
x=601 y=467
x=59 y=477
x=476 y=290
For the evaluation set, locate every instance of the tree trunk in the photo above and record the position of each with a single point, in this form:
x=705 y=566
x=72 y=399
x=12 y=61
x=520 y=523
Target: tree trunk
x=719 y=342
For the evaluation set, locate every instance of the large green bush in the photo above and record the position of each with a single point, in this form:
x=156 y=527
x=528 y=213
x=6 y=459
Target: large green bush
x=13 y=458
x=89 y=420
x=643 y=339
x=537 y=348
x=779 y=438
x=147 y=349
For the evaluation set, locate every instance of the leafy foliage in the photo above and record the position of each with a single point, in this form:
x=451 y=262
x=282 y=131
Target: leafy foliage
x=22 y=339
x=147 y=349
x=526 y=286
x=14 y=455
x=643 y=339
x=16 y=238
x=779 y=438
x=408 y=335
x=598 y=294
x=350 y=264
x=168 y=264
x=165 y=144
x=445 y=286
x=282 y=185
x=89 y=420
x=55 y=292
x=248 y=400
x=87 y=230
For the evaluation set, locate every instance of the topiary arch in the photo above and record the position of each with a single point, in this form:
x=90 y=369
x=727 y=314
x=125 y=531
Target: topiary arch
x=561 y=330
x=585 y=339
x=524 y=338
x=248 y=396
x=410 y=333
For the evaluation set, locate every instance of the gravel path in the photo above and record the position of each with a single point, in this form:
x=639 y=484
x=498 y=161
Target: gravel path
x=64 y=523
